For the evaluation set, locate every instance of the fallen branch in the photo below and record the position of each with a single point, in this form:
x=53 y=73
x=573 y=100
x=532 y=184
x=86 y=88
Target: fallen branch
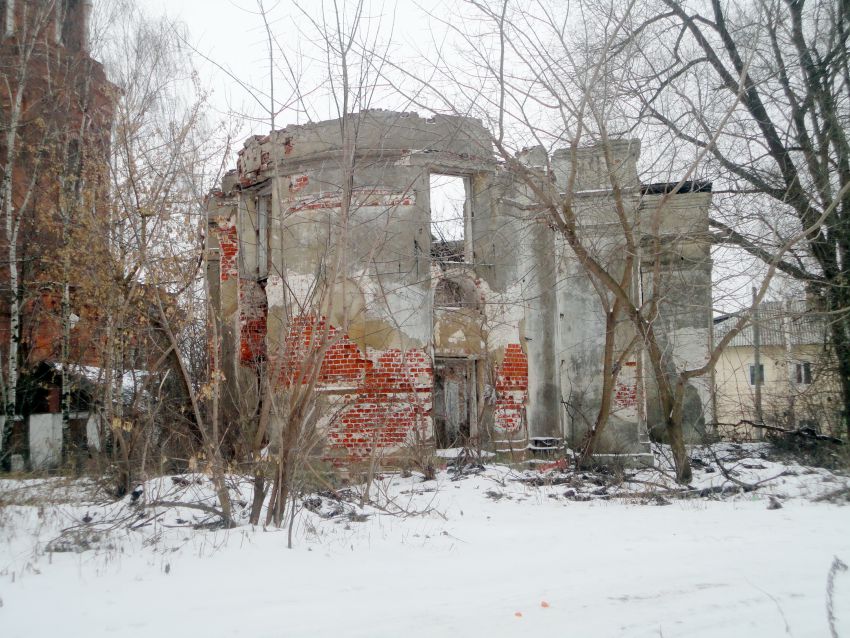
x=209 y=509
x=805 y=432
x=747 y=487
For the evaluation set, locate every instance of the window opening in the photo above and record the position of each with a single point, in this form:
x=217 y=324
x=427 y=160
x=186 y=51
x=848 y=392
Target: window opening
x=264 y=204
x=448 y=294
x=753 y=380
x=804 y=373
x=450 y=216
x=71 y=23
x=253 y=231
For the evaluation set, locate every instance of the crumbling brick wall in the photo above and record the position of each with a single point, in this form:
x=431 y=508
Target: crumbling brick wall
x=253 y=317
x=626 y=392
x=228 y=241
x=378 y=399
x=511 y=389
x=515 y=294
x=390 y=409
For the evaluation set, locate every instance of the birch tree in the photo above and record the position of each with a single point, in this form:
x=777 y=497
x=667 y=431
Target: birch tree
x=53 y=108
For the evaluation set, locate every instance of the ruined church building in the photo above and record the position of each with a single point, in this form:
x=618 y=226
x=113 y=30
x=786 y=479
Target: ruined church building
x=434 y=327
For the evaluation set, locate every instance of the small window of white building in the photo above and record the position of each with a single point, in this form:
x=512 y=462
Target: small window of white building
x=803 y=373
x=756 y=379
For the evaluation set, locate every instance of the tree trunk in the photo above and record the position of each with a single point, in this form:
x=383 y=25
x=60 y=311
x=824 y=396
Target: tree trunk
x=841 y=343
x=259 y=497
x=680 y=454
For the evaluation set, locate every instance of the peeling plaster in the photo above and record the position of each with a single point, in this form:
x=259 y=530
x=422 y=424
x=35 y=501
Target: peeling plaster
x=545 y=332
x=275 y=292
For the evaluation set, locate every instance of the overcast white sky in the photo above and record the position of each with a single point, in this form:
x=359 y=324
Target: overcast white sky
x=231 y=33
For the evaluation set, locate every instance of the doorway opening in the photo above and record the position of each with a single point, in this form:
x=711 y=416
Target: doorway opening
x=454 y=411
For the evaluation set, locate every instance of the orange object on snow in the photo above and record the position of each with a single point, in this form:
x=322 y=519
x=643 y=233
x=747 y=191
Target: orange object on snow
x=560 y=464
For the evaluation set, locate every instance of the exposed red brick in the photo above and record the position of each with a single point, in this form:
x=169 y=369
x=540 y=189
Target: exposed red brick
x=228 y=242
x=379 y=197
x=253 y=313
x=298 y=183
x=511 y=389
x=388 y=393
x=625 y=393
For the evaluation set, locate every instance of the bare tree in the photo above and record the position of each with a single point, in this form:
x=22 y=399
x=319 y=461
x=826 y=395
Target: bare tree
x=544 y=77
x=151 y=305
x=275 y=403
x=777 y=72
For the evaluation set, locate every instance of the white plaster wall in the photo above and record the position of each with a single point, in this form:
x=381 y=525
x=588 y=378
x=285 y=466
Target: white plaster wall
x=45 y=432
x=93 y=432
x=504 y=313
x=275 y=291
x=301 y=289
x=405 y=307
x=690 y=351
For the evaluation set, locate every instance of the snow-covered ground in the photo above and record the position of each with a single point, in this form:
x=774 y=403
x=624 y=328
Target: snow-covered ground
x=486 y=554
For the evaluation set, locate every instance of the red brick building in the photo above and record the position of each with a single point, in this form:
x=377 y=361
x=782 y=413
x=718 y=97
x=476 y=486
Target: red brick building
x=56 y=108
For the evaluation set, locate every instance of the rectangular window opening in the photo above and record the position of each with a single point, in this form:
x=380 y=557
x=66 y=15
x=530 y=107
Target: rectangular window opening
x=264 y=204
x=253 y=235
x=753 y=380
x=451 y=210
x=804 y=373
